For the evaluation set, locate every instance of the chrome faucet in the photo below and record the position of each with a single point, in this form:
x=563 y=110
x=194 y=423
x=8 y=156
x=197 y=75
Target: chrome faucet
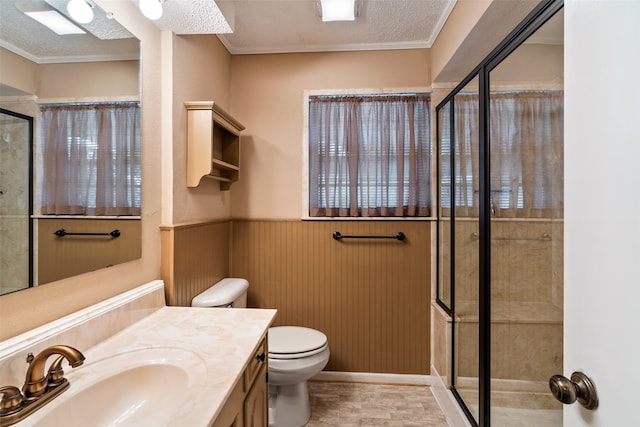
x=39 y=388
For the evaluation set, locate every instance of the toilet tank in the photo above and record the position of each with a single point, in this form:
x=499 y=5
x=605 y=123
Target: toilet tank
x=228 y=292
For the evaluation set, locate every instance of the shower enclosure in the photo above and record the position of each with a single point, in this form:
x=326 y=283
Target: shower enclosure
x=500 y=232
x=16 y=134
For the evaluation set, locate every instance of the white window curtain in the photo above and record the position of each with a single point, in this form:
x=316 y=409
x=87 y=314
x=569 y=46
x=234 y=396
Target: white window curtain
x=370 y=156
x=91 y=159
x=526 y=136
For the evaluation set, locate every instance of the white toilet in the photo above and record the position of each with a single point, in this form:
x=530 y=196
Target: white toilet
x=295 y=355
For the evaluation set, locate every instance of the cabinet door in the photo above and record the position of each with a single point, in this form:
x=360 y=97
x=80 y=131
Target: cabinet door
x=256 y=404
x=233 y=411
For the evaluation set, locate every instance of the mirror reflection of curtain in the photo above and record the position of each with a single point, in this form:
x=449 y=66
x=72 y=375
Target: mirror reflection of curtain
x=527 y=126
x=91 y=159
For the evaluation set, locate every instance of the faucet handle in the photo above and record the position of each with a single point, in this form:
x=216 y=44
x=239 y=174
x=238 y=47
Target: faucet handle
x=12 y=399
x=56 y=374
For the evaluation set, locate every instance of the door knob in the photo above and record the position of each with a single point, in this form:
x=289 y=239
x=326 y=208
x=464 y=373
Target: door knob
x=579 y=387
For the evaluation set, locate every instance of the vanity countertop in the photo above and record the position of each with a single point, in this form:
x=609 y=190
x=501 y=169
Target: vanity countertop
x=220 y=343
x=224 y=339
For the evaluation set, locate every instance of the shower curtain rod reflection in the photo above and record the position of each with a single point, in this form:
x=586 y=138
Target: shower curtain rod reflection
x=338 y=236
x=62 y=232
x=544 y=237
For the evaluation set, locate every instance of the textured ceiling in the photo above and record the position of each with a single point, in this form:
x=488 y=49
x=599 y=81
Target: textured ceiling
x=275 y=26
x=193 y=17
x=105 y=38
x=259 y=26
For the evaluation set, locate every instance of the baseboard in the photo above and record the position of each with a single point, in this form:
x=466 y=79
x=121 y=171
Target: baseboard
x=448 y=404
x=374 y=378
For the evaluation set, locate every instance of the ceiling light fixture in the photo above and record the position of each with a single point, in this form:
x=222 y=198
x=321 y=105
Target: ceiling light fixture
x=152 y=9
x=55 y=22
x=338 y=10
x=80 y=11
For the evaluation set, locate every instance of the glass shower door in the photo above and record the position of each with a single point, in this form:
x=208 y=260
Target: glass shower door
x=465 y=244
x=526 y=204
x=15 y=201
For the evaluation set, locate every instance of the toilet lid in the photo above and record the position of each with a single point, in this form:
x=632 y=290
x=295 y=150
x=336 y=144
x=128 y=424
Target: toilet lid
x=289 y=340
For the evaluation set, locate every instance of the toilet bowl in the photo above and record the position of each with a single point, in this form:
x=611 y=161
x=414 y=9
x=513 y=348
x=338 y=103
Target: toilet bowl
x=296 y=354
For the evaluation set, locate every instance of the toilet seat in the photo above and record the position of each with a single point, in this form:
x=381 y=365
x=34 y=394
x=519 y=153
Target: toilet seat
x=295 y=342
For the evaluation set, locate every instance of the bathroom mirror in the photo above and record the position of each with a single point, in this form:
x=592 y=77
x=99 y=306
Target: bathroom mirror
x=100 y=62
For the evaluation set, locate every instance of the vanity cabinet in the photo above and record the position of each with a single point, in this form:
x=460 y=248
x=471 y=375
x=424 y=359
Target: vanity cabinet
x=256 y=404
x=213 y=144
x=248 y=404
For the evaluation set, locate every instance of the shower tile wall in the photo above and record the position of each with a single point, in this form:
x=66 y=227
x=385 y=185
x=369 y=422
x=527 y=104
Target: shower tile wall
x=526 y=306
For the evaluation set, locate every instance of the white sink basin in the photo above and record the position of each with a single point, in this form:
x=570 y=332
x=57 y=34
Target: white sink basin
x=145 y=387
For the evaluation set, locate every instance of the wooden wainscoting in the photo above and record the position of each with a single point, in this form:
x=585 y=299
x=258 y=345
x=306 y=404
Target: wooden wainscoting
x=61 y=257
x=370 y=297
x=194 y=257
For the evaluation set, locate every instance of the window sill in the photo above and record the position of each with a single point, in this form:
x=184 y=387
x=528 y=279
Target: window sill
x=123 y=217
x=374 y=218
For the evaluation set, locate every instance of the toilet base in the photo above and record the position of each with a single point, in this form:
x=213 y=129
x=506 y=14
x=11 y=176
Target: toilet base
x=289 y=405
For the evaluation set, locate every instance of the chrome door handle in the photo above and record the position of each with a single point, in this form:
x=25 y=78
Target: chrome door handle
x=579 y=387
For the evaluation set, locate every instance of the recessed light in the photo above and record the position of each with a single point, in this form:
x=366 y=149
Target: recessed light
x=55 y=22
x=338 y=10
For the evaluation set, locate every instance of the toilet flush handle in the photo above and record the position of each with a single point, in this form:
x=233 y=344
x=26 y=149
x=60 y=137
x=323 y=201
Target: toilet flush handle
x=579 y=387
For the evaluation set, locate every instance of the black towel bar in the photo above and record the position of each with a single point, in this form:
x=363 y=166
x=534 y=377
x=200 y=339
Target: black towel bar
x=62 y=232
x=399 y=236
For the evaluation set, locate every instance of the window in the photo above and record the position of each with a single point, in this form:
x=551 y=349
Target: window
x=370 y=156
x=91 y=159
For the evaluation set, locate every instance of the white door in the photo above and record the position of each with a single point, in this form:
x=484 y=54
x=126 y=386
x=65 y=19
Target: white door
x=602 y=207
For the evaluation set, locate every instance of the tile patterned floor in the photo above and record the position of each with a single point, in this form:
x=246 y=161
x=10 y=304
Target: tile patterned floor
x=359 y=404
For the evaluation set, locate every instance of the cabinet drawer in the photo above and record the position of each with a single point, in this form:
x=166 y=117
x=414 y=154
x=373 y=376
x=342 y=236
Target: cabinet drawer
x=259 y=359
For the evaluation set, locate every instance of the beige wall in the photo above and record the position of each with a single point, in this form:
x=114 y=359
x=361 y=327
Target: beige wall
x=18 y=72
x=473 y=30
x=267 y=97
x=201 y=72
x=89 y=79
x=107 y=79
x=27 y=309
x=463 y=17
x=533 y=66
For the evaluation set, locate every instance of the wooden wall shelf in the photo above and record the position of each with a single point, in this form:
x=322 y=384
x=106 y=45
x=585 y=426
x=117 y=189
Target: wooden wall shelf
x=213 y=144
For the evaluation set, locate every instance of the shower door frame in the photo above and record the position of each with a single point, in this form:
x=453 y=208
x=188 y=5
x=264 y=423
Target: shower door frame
x=536 y=18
